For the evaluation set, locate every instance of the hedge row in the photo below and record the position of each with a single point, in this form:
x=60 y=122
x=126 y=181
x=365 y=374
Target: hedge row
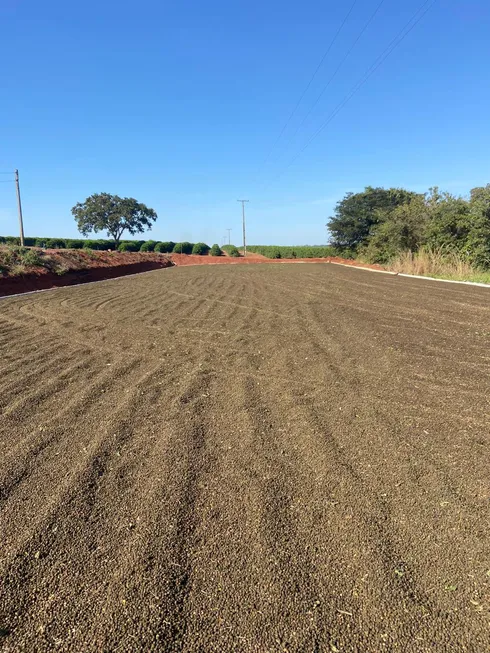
x=126 y=246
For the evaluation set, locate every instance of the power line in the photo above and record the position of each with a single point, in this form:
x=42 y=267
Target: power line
x=327 y=51
x=404 y=32
x=369 y=21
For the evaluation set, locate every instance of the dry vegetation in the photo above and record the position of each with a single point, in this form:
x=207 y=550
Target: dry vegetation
x=16 y=261
x=438 y=263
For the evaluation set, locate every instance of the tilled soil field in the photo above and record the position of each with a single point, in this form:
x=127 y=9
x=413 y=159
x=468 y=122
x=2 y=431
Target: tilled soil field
x=255 y=459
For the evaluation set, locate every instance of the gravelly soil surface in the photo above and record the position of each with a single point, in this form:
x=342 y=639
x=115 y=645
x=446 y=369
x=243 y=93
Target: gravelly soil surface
x=257 y=459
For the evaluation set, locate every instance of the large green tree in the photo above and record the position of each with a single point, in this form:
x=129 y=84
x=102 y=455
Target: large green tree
x=113 y=214
x=357 y=215
x=401 y=230
x=462 y=225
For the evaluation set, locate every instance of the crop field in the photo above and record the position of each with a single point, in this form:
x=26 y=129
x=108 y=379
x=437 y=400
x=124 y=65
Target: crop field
x=299 y=251
x=252 y=459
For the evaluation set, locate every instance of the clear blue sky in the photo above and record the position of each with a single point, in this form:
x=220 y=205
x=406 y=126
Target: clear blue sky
x=178 y=103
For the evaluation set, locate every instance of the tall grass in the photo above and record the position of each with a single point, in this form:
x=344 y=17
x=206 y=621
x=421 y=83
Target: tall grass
x=438 y=263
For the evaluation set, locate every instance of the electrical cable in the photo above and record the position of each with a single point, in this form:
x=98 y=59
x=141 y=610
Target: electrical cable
x=327 y=51
x=369 y=21
x=404 y=32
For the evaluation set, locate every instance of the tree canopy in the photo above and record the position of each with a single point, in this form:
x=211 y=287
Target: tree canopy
x=358 y=213
x=379 y=224
x=113 y=214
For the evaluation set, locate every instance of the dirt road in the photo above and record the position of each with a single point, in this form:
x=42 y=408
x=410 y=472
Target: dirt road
x=251 y=459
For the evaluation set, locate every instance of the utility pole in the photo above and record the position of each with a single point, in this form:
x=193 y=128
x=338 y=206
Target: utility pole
x=243 y=224
x=229 y=236
x=19 y=205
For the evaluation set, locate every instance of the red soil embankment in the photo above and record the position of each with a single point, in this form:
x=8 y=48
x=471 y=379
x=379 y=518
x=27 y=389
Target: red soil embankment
x=70 y=267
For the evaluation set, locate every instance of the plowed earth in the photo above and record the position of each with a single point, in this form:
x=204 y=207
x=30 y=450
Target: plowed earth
x=261 y=458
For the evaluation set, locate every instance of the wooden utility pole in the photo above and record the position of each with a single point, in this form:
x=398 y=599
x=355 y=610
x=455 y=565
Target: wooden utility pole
x=19 y=206
x=243 y=224
x=229 y=236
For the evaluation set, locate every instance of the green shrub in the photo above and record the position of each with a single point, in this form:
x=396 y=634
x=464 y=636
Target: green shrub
x=25 y=256
x=201 y=249
x=148 y=246
x=233 y=251
x=40 y=242
x=91 y=244
x=2 y=240
x=183 y=248
x=165 y=247
x=75 y=243
x=30 y=257
x=99 y=245
x=12 y=240
x=216 y=250
x=129 y=246
x=55 y=243
x=105 y=245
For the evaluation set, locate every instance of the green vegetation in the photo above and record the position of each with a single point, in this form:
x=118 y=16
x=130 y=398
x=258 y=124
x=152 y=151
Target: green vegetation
x=301 y=251
x=15 y=259
x=90 y=244
x=201 y=249
x=165 y=247
x=231 y=250
x=183 y=248
x=55 y=243
x=148 y=246
x=129 y=246
x=215 y=250
x=74 y=243
x=113 y=214
x=437 y=230
x=100 y=245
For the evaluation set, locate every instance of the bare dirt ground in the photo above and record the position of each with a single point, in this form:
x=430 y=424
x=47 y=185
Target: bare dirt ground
x=189 y=259
x=66 y=267
x=270 y=458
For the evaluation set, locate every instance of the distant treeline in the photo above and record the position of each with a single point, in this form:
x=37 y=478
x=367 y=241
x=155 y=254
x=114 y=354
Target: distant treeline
x=300 y=251
x=165 y=247
x=380 y=225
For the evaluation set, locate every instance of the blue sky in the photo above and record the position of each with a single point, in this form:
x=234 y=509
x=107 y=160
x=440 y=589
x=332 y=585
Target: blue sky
x=178 y=104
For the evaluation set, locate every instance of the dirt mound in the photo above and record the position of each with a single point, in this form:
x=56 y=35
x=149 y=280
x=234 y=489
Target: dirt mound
x=59 y=268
